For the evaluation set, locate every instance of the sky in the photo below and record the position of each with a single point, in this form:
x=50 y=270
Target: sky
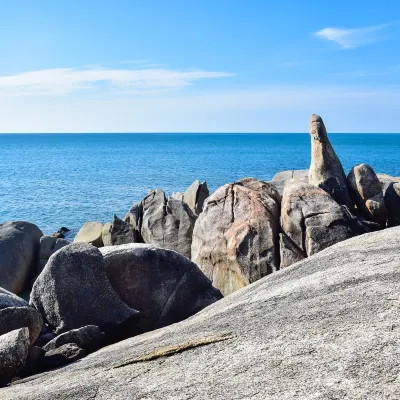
x=199 y=65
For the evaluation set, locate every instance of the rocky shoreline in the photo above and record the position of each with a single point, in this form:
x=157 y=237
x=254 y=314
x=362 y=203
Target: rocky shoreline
x=171 y=257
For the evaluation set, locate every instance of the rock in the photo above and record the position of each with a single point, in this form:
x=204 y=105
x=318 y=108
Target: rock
x=44 y=338
x=13 y=318
x=73 y=291
x=195 y=196
x=392 y=202
x=14 y=348
x=162 y=284
x=62 y=355
x=49 y=245
x=366 y=191
x=19 y=248
x=297 y=174
x=60 y=234
x=326 y=171
x=236 y=237
x=8 y=299
x=90 y=233
x=312 y=221
x=177 y=196
x=325 y=328
x=167 y=223
x=118 y=232
x=88 y=338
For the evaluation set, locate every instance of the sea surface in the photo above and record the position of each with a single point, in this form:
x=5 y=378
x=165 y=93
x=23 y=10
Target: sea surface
x=65 y=180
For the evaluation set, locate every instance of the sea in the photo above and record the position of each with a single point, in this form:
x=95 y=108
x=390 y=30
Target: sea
x=56 y=180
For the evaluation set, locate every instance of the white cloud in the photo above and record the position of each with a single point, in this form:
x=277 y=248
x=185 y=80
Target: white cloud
x=351 y=38
x=67 y=80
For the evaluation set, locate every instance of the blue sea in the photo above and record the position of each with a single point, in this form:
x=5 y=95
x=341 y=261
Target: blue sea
x=65 y=180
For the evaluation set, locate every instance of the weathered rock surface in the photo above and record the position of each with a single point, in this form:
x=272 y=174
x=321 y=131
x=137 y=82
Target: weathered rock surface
x=13 y=318
x=88 y=338
x=118 y=232
x=326 y=171
x=162 y=284
x=392 y=202
x=236 y=237
x=325 y=328
x=49 y=245
x=312 y=221
x=19 y=250
x=73 y=291
x=90 y=233
x=165 y=222
x=297 y=174
x=62 y=355
x=14 y=348
x=8 y=299
x=195 y=195
x=366 y=192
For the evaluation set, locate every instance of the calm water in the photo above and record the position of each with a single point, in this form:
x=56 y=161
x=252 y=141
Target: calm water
x=55 y=180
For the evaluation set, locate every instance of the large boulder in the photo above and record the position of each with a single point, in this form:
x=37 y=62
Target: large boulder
x=19 y=250
x=165 y=222
x=48 y=246
x=162 y=284
x=73 y=291
x=195 y=195
x=236 y=237
x=312 y=221
x=325 y=328
x=8 y=299
x=14 y=347
x=392 y=202
x=91 y=233
x=326 y=171
x=118 y=232
x=13 y=318
x=366 y=191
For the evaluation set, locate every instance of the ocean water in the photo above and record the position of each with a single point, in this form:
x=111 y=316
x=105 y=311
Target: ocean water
x=66 y=180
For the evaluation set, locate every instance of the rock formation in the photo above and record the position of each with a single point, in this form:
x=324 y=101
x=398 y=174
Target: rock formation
x=366 y=192
x=195 y=195
x=118 y=232
x=73 y=291
x=48 y=246
x=312 y=221
x=326 y=328
x=392 y=202
x=236 y=237
x=90 y=233
x=326 y=171
x=162 y=284
x=19 y=251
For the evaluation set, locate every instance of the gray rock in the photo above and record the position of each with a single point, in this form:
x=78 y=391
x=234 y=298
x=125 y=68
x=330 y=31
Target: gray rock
x=326 y=171
x=366 y=191
x=73 y=291
x=167 y=223
x=19 y=249
x=88 y=338
x=8 y=299
x=90 y=233
x=62 y=355
x=297 y=174
x=13 y=318
x=118 y=232
x=162 y=284
x=49 y=245
x=312 y=221
x=177 y=196
x=195 y=195
x=236 y=237
x=14 y=348
x=325 y=328
x=392 y=202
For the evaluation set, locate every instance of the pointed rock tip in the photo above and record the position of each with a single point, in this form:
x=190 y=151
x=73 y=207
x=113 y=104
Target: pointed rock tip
x=315 y=118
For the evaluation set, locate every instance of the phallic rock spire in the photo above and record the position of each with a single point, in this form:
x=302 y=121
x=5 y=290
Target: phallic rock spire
x=326 y=171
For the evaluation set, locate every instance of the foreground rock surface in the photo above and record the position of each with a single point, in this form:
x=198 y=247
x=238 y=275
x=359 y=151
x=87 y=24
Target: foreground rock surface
x=73 y=291
x=326 y=171
x=312 y=221
x=325 y=328
x=236 y=237
x=19 y=252
x=162 y=284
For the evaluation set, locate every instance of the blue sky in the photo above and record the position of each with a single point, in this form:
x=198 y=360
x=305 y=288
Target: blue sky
x=199 y=66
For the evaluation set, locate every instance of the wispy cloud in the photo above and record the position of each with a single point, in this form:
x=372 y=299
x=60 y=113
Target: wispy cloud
x=351 y=38
x=60 y=81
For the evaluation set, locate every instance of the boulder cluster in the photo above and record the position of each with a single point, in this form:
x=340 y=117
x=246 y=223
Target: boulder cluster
x=170 y=257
